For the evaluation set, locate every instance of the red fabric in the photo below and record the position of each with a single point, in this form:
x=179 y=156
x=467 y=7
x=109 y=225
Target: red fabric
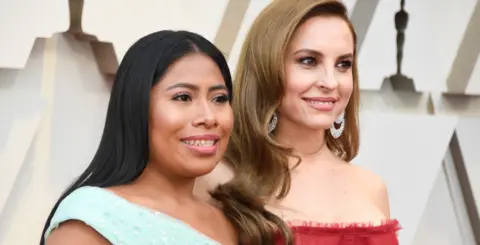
x=309 y=233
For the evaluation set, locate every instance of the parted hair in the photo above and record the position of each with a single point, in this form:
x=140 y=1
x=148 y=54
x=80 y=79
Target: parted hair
x=260 y=163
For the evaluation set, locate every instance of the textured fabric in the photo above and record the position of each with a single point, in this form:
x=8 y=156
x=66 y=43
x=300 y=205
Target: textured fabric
x=308 y=233
x=122 y=222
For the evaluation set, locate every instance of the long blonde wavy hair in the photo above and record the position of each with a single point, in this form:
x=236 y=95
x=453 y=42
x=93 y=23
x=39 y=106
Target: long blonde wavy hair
x=260 y=163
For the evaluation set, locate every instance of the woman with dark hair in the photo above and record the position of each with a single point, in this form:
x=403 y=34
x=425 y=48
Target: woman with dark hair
x=168 y=121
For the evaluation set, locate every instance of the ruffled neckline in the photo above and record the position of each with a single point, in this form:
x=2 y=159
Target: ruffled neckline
x=311 y=227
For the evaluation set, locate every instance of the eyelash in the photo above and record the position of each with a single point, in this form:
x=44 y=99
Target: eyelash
x=181 y=96
x=308 y=61
x=223 y=98
x=344 y=65
x=185 y=97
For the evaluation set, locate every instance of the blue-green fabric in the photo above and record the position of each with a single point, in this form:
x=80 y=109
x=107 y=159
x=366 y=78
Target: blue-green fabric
x=122 y=222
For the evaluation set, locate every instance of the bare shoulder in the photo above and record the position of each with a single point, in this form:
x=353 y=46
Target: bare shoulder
x=75 y=233
x=375 y=186
x=221 y=174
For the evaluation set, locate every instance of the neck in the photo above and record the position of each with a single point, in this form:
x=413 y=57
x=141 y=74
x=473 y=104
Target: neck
x=305 y=142
x=156 y=182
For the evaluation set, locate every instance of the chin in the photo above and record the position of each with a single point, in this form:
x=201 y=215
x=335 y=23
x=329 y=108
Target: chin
x=199 y=168
x=319 y=124
x=318 y=127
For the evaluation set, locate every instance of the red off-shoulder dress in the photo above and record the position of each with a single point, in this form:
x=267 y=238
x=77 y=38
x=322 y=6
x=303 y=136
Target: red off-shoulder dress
x=309 y=233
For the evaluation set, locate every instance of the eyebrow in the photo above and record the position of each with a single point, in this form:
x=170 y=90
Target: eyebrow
x=196 y=88
x=318 y=53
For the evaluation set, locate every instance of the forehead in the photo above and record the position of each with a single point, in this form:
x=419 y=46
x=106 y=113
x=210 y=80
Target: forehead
x=325 y=34
x=192 y=68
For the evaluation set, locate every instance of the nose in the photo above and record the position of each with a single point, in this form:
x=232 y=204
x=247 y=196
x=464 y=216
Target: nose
x=326 y=79
x=205 y=116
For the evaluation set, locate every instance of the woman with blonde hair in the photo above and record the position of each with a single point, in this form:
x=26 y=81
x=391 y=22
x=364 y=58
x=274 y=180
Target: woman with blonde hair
x=295 y=103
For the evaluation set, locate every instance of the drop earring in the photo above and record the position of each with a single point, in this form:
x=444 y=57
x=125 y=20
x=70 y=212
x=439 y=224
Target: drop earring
x=336 y=132
x=273 y=123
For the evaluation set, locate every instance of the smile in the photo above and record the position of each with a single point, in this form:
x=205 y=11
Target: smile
x=200 y=143
x=321 y=103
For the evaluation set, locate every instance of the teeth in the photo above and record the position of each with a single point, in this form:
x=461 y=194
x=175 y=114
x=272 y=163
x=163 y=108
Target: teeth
x=201 y=143
x=320 y=102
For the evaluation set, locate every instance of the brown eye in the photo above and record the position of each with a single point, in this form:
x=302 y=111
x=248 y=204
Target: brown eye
x=221 y=99
x=182 y=97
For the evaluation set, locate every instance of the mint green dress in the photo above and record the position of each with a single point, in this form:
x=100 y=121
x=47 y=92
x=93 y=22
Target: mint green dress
x=122 y=222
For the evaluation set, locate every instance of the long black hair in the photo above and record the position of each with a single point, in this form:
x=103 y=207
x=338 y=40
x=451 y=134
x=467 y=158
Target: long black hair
x=124 y=150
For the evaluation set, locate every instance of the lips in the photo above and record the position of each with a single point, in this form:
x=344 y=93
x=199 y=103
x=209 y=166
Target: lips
x=202 y=139
x=320 y=99
x=321 y=103
x=201 y=143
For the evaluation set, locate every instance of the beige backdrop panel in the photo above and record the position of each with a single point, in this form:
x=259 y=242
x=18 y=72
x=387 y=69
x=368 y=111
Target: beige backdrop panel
x=63 y=72
x=122 y=22
x=22 y=21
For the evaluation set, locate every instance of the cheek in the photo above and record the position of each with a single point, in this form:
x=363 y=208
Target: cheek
x=166 y=121
x=346 y=89
x=225 y=121
x=297 y=80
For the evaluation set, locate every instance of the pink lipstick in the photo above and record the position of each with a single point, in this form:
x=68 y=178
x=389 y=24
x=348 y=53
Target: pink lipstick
x=321 y=103
x=205 y=144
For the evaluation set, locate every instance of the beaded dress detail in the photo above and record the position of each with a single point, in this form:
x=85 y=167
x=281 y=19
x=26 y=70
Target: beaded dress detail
x=122 y=222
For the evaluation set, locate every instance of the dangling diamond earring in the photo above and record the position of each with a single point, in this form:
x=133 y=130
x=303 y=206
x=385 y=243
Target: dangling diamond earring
x=273 y=123
x=337 y=132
